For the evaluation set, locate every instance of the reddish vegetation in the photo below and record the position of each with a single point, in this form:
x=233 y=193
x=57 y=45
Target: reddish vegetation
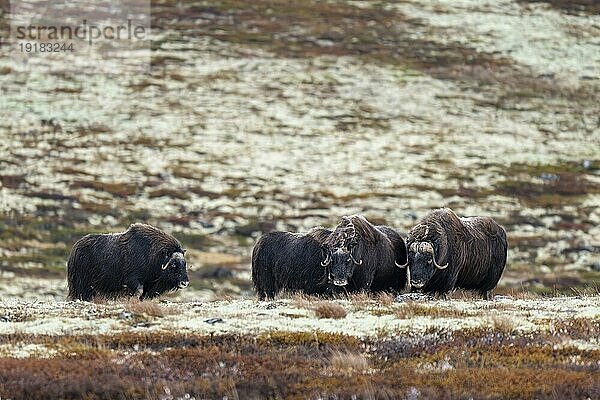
x=300 y=365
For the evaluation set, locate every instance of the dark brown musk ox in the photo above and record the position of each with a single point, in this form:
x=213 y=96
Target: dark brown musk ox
x=142 y=261
x=296 y=262
x=447 y=252
x=366 y=257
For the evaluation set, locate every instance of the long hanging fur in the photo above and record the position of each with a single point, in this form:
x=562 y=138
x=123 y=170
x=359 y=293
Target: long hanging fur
x=121 y=264
x=475 y=249
x=289 y=261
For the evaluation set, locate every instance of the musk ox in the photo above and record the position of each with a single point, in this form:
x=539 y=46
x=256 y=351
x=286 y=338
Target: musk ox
x=142 y=261
x=290 y=261
x=362 y=256
x=447 y=252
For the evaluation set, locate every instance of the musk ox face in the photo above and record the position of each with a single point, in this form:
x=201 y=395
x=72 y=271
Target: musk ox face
x=341 y=254
x=342 y=264
x=423 y=264
x=174 y=271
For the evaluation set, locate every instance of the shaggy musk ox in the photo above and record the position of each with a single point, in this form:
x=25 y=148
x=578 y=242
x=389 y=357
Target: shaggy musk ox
x=447 y=252
x=142 y=261
x=362 y=256
x=290 y=261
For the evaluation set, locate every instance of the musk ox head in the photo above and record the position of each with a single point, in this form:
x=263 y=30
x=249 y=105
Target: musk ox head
x=341 y=256
x=424 y=261
x=174 y=271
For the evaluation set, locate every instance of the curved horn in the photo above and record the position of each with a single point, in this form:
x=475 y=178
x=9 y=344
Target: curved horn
x=413 y=247
x=436 y=264
x=327 y=260
x=165 y=265
x=406 y=254
x=428 y=248
x=359 y=262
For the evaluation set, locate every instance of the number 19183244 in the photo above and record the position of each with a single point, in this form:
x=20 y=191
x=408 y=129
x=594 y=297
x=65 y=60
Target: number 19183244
x=28 y=47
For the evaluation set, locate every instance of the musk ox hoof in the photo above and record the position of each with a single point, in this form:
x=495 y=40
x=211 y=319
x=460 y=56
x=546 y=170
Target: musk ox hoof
x=139 y=290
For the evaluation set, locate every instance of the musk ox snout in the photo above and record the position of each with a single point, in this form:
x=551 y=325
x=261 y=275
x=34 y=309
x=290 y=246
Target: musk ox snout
x=340 y=282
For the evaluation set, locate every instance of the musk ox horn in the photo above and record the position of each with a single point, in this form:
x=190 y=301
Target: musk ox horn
x=428 y=248
x=359 y=262
x=165 y=265
x=327 y=260
x=408 y=286
x=401 y=265
x=437 y=265
x=413 y=247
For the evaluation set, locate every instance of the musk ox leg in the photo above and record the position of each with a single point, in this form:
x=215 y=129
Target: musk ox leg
x=149 y=293
x=137 y=291
x=442 y=296
x=85 y=293
x=270 y=293
x=265 y=293
x=486 y=294
x=262 y=295
x=267 y=288
x=134 y=288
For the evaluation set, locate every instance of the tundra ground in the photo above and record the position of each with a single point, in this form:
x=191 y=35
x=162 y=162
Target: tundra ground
x=378 y=347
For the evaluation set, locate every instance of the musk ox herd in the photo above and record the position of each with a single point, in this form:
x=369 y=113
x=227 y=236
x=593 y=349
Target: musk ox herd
x=441 y=253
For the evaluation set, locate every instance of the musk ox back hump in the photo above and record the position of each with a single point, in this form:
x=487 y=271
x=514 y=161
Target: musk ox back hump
x=127 y=263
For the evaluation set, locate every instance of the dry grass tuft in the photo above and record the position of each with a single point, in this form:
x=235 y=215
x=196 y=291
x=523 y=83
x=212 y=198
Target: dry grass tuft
x=502 y=324
x=412 y=309
x=329 y=309
x=360 y=297
x=385 y=299
x=360 y=301
x=348 y=362
x=301 y=300
x=220 y=296
x=149 y=308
